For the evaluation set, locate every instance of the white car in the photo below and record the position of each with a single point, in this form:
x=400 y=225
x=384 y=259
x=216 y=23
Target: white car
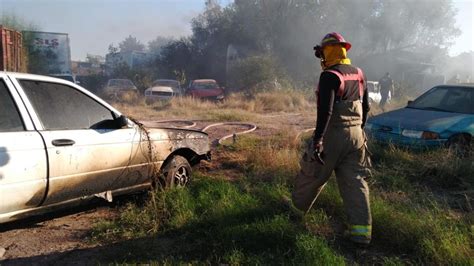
x=162 y=89
x=374 y=92
x=158 y=93
x=60 y=144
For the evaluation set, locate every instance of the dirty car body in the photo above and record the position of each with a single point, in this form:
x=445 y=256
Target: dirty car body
x=60 y=145
x=435 y=119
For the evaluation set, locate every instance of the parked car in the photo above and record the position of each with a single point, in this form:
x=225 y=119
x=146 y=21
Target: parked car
x=162 y=89
x=205 y=89
x=374 y=91
x=61 y=144
x=117 y=89
x=443 y=116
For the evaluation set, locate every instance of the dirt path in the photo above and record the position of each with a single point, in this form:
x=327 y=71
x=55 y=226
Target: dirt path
x=63 y=237
x=57 y=232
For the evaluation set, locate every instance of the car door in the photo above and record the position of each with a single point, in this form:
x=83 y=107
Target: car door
x=23 y=163
x=87 y=152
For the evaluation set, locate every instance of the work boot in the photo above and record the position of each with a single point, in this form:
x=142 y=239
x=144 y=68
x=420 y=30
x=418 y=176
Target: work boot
x=356 y=241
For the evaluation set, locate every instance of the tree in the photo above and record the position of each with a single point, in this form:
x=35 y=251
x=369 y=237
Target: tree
x=155 y=46
x=131 y=44
x=287 y=30
x=15 y=22
x=113 y=49
x=176 y=60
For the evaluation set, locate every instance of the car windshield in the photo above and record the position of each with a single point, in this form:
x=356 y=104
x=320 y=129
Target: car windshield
x=166 y=83
x=122 y=83
x=205 y=85
x=447 y=99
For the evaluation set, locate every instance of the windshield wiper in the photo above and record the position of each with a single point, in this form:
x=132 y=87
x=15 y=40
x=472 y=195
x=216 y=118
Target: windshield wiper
x=435 y=109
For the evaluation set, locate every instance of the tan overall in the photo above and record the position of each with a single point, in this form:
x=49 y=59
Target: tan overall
x=344 y=153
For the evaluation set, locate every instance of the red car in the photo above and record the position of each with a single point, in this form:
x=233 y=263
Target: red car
x=205 y=89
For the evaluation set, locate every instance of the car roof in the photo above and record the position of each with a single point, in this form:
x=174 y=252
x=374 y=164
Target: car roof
x=35 y=76
x=165 y=80
x=460 y=85
x=204 y=80
x=119 y=79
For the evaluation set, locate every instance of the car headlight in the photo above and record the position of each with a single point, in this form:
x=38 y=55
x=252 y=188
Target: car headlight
x=417 y=134
x=220 y=97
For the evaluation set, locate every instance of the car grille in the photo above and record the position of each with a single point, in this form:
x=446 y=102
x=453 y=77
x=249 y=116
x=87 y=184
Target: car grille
x=161 y=93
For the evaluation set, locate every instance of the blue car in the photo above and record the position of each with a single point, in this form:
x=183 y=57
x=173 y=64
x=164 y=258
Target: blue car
x=443 y=116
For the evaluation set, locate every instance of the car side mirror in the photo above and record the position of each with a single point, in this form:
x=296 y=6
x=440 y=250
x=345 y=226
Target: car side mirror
x=409 y=103
x=122 y=121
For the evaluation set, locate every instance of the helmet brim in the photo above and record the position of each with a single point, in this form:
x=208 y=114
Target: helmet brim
x=344 y=44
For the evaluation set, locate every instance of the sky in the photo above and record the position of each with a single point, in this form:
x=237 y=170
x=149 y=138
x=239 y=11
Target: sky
x=93 y=25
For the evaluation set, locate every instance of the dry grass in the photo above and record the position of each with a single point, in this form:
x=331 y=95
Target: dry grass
x=237 y=107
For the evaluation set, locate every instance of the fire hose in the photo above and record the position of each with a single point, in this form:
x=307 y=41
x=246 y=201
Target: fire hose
x=251 y=128
x=191 y=124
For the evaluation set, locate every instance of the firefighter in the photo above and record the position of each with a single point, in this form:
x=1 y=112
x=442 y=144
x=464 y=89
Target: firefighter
x=386 y=89
x=338 y=142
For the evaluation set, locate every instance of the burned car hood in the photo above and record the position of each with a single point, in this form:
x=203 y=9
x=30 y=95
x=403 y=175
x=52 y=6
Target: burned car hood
x=417 y=119
x=172 y=133
x=160 y=89
x=173 y=139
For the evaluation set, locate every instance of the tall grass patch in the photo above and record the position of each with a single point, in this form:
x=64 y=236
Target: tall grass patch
x=236 y=106
x=402 y=169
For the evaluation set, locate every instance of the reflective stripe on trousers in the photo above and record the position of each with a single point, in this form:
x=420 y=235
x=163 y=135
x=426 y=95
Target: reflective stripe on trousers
x=361 y=230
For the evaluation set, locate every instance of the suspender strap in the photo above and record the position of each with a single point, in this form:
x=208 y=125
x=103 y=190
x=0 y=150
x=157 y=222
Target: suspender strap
x=340 y=91
x=361 y=82
x=349 y=77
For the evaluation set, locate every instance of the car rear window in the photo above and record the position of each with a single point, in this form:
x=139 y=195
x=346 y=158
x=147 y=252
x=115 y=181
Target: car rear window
x=205 y=85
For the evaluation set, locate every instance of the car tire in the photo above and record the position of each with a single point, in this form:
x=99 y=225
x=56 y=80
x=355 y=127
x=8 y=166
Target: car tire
x=460 y=145
x=175 y=173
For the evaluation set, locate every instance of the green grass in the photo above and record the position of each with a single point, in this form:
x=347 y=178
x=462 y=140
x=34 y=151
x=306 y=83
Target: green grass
x=249 y=221
x=222 y=222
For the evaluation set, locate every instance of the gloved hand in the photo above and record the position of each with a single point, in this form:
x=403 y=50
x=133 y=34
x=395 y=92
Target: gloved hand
x=318 y=149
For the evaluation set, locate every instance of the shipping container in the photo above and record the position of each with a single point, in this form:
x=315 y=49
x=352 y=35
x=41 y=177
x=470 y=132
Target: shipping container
x=51 y=49
x=11 y=51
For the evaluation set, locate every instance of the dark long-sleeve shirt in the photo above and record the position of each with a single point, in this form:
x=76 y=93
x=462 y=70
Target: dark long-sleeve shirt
x=328 y=86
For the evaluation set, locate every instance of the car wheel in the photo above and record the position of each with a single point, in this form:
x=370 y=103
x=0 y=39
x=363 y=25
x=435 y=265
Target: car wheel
x=176 y=172
x=460 y=144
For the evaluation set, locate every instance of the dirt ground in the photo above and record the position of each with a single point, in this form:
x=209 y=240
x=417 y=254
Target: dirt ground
x=62 y=237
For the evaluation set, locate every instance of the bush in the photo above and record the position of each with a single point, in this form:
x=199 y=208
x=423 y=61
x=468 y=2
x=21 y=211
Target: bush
x=255 y=73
